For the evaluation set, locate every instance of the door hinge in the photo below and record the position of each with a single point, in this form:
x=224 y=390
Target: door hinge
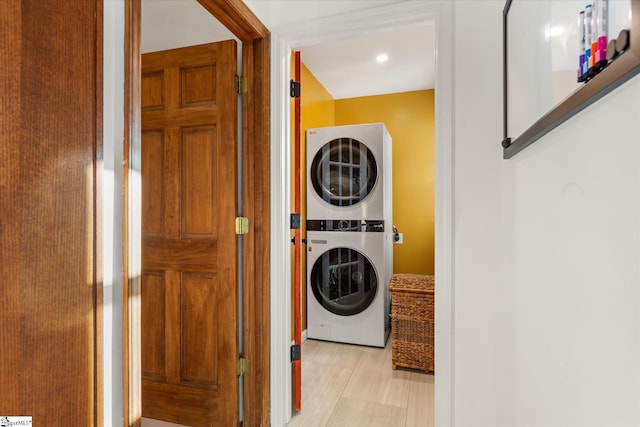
x=241 y=84
x=294 y=89
x=295 y=353
x=294 y=221
x=242 y=225
x=243 y=367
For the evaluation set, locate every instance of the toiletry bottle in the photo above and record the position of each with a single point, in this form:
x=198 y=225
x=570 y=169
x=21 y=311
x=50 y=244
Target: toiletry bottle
x=600 y=56
x=581 y=45
x=588 y=21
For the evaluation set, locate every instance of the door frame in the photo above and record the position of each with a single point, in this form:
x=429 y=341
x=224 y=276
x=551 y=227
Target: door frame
x=323 y=30
x=255 y=38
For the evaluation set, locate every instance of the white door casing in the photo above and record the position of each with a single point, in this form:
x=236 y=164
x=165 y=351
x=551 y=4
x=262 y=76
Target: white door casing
x=323 y=30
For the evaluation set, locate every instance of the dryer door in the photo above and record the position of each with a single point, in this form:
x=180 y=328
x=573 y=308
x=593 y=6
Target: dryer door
x=344 y=281
x=343 y=172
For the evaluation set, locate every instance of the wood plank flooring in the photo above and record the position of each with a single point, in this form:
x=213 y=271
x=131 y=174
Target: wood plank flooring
x=349 y=386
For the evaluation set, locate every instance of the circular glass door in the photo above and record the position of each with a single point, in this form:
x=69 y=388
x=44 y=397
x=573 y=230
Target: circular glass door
x=343 y=172
x=344 y=281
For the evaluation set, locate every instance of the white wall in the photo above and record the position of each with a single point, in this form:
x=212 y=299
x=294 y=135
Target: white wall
x=112 y=209
x=483 y=299
x=577 y=251
x=547 y=306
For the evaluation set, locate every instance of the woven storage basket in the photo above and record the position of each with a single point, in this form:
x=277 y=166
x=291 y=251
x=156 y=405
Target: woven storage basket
x=412 y=324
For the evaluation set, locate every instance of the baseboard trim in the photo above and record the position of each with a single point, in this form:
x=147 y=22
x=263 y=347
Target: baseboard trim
x=303 y=337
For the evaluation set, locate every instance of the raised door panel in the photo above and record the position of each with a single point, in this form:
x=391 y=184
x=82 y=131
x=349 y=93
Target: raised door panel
x=198 y=319
x=182 y=255
x=199 y=181
x=197 y=85
x=152 y=176
x=152 y=87
x=153 y=322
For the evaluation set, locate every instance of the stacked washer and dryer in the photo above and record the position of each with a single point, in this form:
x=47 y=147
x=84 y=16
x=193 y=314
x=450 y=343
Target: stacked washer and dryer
x=349 y=238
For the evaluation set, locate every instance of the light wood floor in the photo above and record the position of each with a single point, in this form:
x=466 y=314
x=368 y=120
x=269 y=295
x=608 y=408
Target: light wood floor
x=349 y=385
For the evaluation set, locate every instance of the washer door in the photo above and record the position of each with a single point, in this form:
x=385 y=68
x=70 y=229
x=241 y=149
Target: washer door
x=343 y=172
x=344 y=281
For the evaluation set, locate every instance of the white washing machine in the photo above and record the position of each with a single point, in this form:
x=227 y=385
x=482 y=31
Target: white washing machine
x=349 y=173
x=348 y=274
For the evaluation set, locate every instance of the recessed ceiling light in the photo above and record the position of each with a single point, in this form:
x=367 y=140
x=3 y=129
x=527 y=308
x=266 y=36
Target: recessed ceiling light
x=382 y=58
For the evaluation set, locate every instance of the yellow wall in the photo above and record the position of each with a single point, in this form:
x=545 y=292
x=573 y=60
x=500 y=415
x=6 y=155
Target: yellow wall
x=318 y=106
x=409 y=117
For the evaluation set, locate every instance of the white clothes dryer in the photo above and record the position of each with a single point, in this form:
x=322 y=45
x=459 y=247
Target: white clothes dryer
x=348 y=274
x=349 y=173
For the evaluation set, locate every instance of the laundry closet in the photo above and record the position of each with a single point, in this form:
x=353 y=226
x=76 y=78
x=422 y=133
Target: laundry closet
x=367 y=212
x=349 y=233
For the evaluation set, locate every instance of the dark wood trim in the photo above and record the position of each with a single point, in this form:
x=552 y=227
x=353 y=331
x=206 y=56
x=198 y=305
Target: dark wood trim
x=239 y=19
x=256 y=137
x=619 y=71
x=297 y=247
x=132 y=389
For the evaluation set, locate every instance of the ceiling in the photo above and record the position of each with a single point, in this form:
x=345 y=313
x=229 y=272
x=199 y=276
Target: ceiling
x=348 y=68
x=170 y=24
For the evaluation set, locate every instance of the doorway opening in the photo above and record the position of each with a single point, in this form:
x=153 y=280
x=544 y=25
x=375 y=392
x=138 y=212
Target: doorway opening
x=288 y=38
x=344 y=86
x=254 y=36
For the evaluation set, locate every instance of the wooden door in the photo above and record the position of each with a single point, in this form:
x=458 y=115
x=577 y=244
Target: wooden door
x=50 y=249
x=188 y=290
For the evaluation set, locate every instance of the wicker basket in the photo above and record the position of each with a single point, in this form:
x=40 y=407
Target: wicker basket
x=412 y=324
